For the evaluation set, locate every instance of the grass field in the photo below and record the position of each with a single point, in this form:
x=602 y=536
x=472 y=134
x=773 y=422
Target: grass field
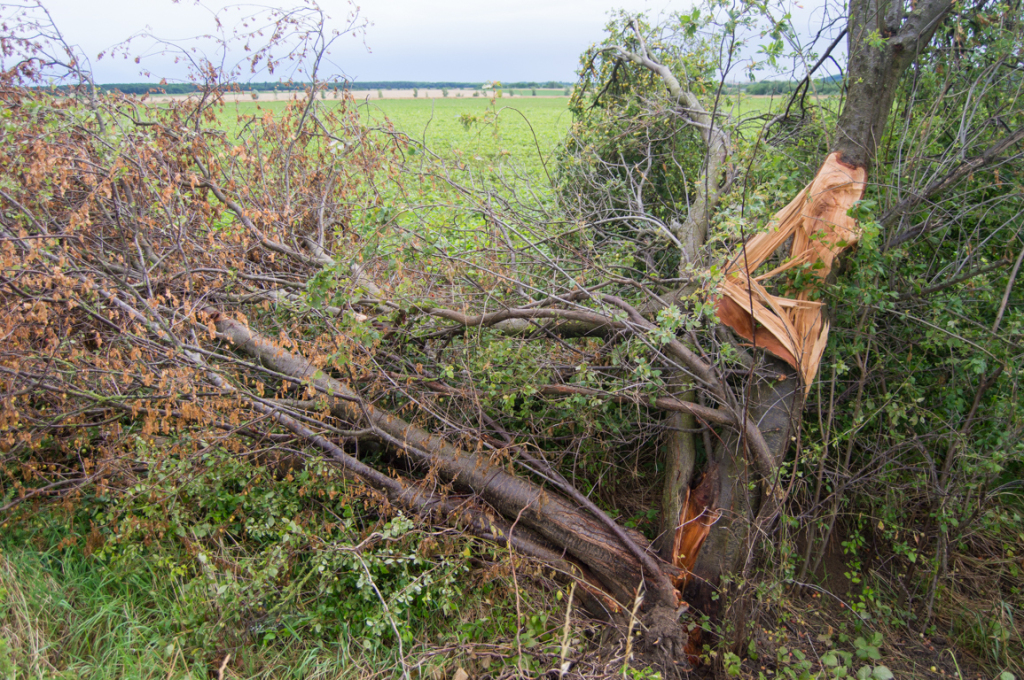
x=520 y=128
x=525 y=130
x=464 y=130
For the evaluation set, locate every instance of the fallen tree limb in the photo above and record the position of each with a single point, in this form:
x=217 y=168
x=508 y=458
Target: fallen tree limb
x=412 y=497
x=708 y=415
x=585 y=537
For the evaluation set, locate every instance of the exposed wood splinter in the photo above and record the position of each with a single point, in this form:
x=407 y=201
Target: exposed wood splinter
x=698 y=515
x=794 y=329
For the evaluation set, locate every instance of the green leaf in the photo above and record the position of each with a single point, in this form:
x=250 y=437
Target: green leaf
x=881 y=673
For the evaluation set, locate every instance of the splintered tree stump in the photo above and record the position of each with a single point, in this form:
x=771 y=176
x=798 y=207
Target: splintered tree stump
x=791 y=328
x=794 y=329
x=699 y=514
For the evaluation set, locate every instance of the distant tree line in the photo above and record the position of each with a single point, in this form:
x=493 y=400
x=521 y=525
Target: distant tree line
x=186 y=88
x=181 y=88
x=766 y=87
x=777 y=87
x=549 y=85
x=408 y=85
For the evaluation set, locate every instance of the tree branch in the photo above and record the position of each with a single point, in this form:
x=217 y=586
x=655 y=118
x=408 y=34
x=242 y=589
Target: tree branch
x=936 y=186
x=693 y=231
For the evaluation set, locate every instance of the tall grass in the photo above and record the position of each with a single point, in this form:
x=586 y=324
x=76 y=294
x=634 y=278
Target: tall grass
x=64 y=615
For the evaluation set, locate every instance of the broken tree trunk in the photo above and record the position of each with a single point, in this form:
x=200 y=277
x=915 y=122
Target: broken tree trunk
x=738 y=490
x=719 y=514
x=794 y=329
x=583 y=536
x=712 y=535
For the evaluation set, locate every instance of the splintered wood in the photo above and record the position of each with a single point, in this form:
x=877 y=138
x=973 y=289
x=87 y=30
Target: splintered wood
x=695 y=521
x=794 y=329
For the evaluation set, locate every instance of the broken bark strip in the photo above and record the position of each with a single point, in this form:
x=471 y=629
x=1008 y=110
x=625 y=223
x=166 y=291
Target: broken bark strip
x=585 y=537
x=680 y=445
x=699 y=513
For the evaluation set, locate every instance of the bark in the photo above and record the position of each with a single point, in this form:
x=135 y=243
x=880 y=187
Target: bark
x=775 y=404
x=680 y=461
x=882 y=41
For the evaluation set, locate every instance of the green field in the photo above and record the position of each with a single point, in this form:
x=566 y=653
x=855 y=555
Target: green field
x=478 y=128
x=462 y=130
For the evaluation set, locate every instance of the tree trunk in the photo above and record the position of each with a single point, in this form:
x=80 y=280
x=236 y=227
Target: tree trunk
x=883 y=43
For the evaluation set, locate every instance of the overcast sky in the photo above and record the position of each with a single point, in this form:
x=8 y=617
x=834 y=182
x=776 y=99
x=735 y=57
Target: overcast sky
x=462 y=40
x=422 y=40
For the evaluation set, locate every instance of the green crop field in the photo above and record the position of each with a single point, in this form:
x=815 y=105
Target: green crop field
x=522 y=129
x=464 y=127
x=466 y=130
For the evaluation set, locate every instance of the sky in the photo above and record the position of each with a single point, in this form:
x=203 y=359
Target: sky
x=418 y=40
x=455 y=40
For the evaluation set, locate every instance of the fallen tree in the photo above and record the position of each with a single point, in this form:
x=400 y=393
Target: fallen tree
x=160 y=279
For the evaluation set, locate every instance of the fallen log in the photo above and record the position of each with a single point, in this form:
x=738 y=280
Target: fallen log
x=585 y=537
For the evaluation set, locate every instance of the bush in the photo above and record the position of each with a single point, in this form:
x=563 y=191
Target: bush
x=620 y=125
